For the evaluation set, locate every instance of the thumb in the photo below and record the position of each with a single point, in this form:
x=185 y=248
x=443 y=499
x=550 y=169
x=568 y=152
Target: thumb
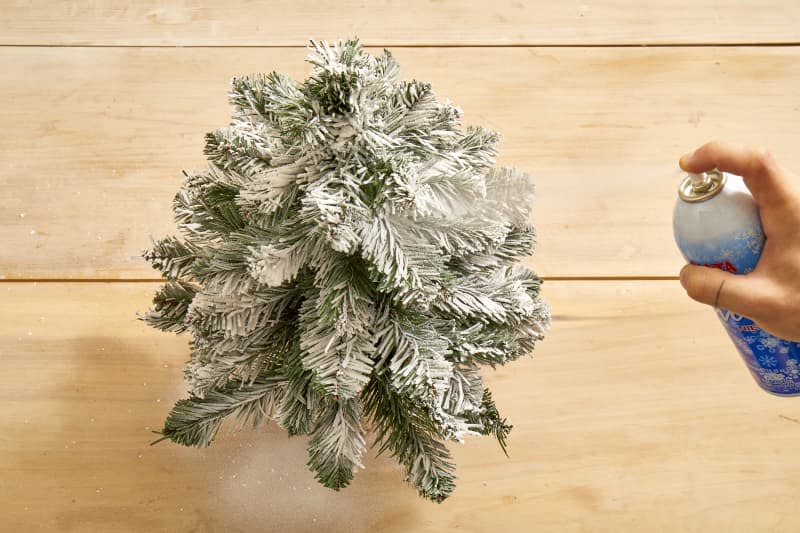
x=717 y=288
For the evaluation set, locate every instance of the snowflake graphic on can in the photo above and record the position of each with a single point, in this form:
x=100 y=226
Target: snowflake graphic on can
x=768 y=343
x=727 y=254
x=773 y=378
x=768 y=361
x=752 y=240
x=792 y=369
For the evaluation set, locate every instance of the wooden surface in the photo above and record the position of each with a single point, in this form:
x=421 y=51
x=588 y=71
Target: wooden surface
x=633 y=415
x=384 y=22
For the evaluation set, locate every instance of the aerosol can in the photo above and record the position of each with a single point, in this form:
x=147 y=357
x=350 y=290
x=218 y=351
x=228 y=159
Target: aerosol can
x=716 y=224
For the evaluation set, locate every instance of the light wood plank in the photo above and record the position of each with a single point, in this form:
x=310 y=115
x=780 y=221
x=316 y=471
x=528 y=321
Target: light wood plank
x=191 y=22
x=95 y=139
x=633 y=415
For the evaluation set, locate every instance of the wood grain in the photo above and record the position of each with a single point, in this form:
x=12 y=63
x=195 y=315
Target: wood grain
x=95 y=139
x=418 y=22
x=633 y=415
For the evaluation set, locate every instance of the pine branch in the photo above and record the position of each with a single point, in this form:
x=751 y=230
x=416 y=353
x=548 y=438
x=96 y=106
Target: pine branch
x=464 y=394
x=484 y=344
x=173 y=257
x=407 y=431
x=519 y=242
x=514 y=287
x=285 y=251
x=476 y=150
x=490 y=421
x=469 y=303
x=510 y=192
x=205 y=206
x=246 y=147
x=271 y=199
x=170 y=306
x=454 y=237
x=414 y=352
x=242 y=315
x=381 y=248
x=409 y=268
x=409 y=107
x=334 y=206
x=336 y=323
x=303 y=398
x=239 y=359
x=276 y=98
x=415 y=355
x=337 y=443
x=445 y=190
x=223 y=268
x=531 y=330
x=507 y=296
x=425 y=127
x=196 y=421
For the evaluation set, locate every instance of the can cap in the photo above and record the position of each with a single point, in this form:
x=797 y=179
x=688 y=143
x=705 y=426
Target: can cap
x=701 y=187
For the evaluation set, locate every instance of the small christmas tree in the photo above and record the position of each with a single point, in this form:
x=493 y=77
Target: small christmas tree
x=348 y=262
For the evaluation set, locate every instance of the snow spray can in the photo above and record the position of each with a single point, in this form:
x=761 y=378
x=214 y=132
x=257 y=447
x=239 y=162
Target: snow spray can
x=716 y=224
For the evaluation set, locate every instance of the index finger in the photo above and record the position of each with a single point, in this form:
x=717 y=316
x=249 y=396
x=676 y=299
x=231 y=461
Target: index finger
x=761 y=173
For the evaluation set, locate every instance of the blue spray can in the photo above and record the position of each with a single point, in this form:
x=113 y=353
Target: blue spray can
x=716 y=224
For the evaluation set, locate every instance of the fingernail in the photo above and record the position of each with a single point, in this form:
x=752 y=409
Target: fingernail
x=684 y=159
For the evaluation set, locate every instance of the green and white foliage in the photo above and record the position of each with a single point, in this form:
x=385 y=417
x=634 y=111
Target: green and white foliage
x=347 y=262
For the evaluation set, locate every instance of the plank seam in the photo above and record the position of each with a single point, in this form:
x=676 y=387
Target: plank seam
x=776 y=44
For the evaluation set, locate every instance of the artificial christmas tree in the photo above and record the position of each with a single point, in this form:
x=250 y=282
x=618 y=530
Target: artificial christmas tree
x=347 y=263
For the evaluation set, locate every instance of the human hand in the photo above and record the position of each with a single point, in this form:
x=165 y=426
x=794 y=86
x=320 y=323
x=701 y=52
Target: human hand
x=770 y=294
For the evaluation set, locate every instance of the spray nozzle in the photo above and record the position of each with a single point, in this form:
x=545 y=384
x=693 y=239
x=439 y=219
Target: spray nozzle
x=700 y=182
x=697 y=187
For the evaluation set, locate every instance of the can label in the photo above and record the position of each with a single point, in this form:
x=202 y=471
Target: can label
x=773 y=362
